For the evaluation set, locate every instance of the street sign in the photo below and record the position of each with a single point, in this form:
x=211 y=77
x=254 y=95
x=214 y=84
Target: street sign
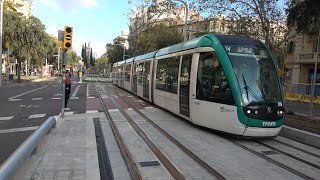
x=60 y=35
x=7 y=53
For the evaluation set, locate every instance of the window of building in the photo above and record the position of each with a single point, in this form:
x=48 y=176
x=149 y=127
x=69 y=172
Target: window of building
x=212 y=84
x=291 y=47
x=167 y=74
x=314 y=46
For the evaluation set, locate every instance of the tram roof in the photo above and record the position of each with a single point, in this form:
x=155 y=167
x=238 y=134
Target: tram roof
x=146 y=56
x=130 y=60
x=238 y=40
x=203 y=41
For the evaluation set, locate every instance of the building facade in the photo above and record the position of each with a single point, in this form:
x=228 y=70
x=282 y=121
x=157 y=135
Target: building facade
x=300 y=63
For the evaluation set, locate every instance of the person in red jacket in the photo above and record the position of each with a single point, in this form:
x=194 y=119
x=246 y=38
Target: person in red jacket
x=67 y=88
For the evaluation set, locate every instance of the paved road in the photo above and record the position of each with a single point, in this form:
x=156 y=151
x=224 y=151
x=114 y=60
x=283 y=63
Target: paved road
x=25 y=106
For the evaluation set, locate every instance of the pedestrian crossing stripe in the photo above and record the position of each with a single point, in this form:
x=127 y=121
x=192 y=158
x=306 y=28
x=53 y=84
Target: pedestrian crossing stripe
x=14 y=99
x=92 y=111
x=36 y=116
x=6 y=118
x=36 y=99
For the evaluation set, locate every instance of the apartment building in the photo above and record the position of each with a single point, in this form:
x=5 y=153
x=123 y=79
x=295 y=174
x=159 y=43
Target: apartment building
x=300 y=62
x=23 y=6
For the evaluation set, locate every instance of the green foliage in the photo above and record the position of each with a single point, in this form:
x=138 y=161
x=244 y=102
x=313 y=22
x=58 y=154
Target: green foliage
x=154 y=38
x=27 y=37
x=102 y=63
x=72 y=58
x=91 y=58
x=254 y=18
x=115 y=52
x=305 y=16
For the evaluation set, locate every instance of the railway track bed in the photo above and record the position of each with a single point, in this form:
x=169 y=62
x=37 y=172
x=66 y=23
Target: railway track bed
x=159 y=145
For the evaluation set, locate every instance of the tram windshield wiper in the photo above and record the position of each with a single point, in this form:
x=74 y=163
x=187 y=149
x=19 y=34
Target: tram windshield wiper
x=245 y=86
x=251 y=92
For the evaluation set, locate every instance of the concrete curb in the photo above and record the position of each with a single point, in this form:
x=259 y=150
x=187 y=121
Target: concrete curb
x=301 y=136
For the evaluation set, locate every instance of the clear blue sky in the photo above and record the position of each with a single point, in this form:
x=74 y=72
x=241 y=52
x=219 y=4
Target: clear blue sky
x=94 y=21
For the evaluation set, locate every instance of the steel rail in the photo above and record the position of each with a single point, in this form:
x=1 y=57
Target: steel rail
x=132 y=167
x=175 y=173
x=198 y=160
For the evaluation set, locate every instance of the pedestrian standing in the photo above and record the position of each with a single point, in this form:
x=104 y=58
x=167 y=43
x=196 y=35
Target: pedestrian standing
x=67 y=89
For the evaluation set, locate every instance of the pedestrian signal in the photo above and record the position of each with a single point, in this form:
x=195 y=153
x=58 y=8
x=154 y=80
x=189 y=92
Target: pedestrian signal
x=67 y=37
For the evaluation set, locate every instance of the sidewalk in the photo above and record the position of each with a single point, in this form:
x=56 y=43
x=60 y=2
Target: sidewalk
x=26 y=79
x=72 y=151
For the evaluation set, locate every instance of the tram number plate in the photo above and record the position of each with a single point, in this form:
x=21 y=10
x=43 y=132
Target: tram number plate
x=268 y=124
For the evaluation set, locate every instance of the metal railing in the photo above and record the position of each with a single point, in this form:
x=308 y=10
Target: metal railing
x=10 y=167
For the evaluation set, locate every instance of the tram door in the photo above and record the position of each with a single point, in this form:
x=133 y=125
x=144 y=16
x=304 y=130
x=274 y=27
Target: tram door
x=185 y=85
x=146 y=79
x=135 y=79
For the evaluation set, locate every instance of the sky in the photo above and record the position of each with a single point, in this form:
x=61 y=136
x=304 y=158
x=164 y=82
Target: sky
x=94 y=21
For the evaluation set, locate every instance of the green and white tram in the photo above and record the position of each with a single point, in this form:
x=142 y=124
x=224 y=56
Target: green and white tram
x=223 y=82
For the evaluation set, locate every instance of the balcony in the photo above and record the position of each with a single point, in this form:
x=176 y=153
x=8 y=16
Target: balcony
x=307 y=58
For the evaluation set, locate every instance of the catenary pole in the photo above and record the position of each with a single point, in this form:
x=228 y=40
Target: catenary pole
x=314 y=77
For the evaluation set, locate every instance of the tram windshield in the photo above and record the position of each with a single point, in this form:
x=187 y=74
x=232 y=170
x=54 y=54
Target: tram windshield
x=256 y=74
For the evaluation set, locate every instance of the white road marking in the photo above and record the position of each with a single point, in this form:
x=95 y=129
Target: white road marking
x=36 y=116
x=90 y=97
x=55 y=98
x=27 y=92
x=57 y=95
x=130 y=96
x=67 y=109
x=68 y=113
x=104 y=97
x=143 y=104
x=74 y=98
x=3 y=131
x=36 y=99
x=93 y=111
x=14 y=99
x=75 y=91
x=113 y=110
x=129 y=109
x=148 y=107
x=6 y=118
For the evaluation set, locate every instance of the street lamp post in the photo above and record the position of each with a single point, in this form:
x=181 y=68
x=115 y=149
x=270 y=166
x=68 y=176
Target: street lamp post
x=1 y=16
x=124 y=50
x=185 y=19
x=314 y=77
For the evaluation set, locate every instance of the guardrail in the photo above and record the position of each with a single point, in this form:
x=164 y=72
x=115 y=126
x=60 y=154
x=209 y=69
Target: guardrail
x=9 y=168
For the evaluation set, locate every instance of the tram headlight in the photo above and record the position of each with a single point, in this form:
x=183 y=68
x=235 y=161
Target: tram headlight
x=256 y=112
x=248 y=111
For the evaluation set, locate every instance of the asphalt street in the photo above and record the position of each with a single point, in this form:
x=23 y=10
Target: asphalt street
x=25 y=106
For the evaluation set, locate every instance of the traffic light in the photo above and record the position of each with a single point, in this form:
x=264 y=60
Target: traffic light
x=67 y=37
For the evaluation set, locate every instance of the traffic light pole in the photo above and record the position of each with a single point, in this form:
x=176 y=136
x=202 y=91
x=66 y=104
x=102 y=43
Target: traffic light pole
x=64 y=61
x=1 y=15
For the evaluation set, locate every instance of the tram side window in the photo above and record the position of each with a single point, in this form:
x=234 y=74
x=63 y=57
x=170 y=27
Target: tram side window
x=114 y=72
x=139 y=72
x=127 y=72
x=167 y=74
x=212 y=84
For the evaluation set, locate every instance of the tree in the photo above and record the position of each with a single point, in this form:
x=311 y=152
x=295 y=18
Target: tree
x=103 y=63
x=261 y=19
x=154 y=38
x=304 y=16
x=115 y=52
x=27 y=37
x=91 y=58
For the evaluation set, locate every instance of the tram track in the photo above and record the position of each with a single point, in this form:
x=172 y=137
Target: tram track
x=200 y=162
x=176 y=174
x=134 y=172
x=260 y=154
